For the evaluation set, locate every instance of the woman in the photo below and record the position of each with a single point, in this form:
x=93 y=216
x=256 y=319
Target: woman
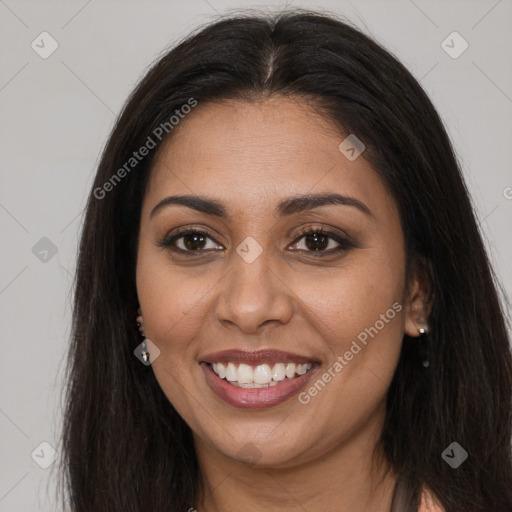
x=280 y=212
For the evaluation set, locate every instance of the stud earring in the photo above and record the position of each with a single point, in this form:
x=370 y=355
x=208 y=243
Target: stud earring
x=140 y=323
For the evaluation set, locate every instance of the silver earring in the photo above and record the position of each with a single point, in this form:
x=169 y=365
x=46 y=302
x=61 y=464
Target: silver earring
x=144 y=354
x=423 y=331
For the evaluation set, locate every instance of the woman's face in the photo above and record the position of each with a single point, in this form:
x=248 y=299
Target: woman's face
x=252 y=292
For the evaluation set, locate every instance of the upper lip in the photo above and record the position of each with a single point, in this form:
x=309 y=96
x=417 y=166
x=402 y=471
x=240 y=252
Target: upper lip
x=256 y=357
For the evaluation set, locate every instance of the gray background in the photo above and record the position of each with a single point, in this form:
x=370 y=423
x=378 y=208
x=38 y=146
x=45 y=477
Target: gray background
x=56 y=114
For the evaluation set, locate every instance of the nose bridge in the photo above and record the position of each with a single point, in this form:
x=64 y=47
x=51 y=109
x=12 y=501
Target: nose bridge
x=254 y=293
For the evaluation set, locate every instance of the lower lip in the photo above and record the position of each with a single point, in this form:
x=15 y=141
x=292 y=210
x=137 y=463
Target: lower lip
x=255 y=398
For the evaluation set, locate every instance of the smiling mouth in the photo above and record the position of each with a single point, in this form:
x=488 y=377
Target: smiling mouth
x=259 y=376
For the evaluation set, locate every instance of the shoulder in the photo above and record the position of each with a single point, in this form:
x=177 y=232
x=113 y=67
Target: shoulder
x=429 y=503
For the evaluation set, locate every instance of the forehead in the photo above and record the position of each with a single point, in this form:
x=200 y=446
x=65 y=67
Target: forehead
x=245 y=153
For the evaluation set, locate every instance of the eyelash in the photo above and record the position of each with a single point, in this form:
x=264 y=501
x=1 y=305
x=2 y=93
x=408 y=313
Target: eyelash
x=343 y=241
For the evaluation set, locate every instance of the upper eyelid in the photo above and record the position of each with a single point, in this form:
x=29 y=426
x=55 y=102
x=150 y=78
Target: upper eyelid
x=330 y=232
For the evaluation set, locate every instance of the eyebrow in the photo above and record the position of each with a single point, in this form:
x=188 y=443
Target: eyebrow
x=289 y=206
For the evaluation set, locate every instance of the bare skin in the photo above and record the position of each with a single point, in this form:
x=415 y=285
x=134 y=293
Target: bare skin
x=251 y=156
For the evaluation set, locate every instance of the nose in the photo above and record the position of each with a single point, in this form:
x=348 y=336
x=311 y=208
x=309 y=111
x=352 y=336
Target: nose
x=254 y=296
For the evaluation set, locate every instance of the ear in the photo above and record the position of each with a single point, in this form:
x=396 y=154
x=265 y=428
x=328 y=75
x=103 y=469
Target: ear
x=419 y=296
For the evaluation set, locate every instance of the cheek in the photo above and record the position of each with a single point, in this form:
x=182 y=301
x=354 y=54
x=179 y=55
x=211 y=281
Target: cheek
x=171 y=303
x=346 y=302
x=359 y=316
x=358 y=313
x=172 y=310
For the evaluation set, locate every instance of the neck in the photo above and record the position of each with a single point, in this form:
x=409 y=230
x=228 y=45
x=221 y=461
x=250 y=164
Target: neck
x=346 y=478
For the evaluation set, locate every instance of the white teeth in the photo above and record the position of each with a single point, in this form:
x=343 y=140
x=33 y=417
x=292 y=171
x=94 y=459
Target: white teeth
x=290 y=370
x=245 y=374
x=301 y=369
x=278 y=372
x=250 y=386
x=262 y=376
x=231 y=373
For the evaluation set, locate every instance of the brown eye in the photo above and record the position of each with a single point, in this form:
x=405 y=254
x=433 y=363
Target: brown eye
x=189 y=241
x=194 y=241
x=321 y=242
x=317 y=241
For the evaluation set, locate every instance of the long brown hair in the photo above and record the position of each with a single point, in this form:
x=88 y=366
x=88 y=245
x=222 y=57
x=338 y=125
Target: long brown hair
x=125 y=448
